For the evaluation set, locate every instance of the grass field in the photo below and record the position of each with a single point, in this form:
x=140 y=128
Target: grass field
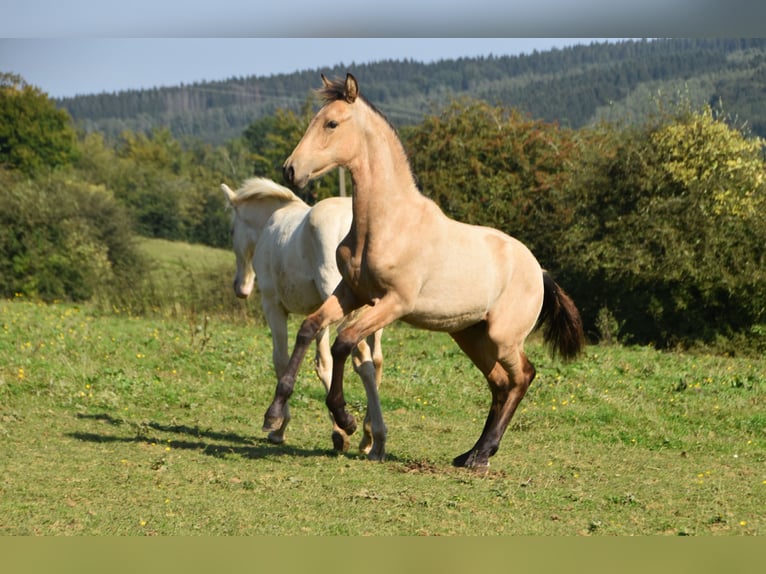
x=118 y=425
x=121 y=425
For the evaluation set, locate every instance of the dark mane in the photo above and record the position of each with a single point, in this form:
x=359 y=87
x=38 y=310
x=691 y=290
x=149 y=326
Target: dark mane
x=332 y=91
x=336 y=90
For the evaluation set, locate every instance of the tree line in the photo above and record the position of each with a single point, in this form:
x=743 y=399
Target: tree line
x=573 y=86
x=655 y=228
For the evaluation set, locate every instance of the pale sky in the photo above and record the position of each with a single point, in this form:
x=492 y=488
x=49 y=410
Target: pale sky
x=68 y=67
x=71 y=47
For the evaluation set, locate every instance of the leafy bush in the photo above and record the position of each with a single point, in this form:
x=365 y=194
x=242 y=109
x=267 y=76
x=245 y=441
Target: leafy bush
x=170 y=191
x=669 y=231
x=62 y=239
x=34 y=134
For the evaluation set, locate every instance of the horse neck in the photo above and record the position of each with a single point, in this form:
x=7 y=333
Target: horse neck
x=384 y=188
x=258 y=213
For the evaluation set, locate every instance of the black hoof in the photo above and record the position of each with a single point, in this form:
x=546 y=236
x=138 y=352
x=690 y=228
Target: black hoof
x=273 y=419
x=339 y=441
x=460 y=461
x=470 y=460
x=275 y=437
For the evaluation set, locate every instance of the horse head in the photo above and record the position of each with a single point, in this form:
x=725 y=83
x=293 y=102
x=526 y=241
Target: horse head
x=331 y=136
x=253 y=206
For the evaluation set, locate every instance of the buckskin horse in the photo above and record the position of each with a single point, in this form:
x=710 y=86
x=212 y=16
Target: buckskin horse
x=403 y=258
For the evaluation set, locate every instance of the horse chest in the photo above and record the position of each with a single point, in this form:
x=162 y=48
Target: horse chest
x=364 y=274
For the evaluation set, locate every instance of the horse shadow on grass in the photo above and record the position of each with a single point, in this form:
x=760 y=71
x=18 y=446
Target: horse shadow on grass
x=193 y=438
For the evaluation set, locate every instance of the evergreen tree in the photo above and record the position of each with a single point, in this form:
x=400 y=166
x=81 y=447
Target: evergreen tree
x=34 y=134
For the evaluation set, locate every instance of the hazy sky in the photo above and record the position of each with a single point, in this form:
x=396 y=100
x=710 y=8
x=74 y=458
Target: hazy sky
x=67 y=67
x=70 y=47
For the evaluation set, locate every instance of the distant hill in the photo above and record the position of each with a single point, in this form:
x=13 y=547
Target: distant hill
x=573 y=86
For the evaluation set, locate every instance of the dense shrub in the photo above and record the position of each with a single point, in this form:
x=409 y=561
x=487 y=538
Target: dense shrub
x=34 y=134
x=170 y=191
x=63 y=239
x=669 y=230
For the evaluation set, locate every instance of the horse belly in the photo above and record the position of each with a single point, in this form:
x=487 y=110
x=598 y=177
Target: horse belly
x=481 y=273
x=445 y=323
x=292 y=288
x=450 y=307
x=300 y=296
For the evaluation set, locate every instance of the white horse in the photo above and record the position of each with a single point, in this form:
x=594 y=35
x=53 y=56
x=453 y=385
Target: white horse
x=290 y=248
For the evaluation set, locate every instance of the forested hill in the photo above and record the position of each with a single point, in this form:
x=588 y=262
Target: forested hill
x=573 y=86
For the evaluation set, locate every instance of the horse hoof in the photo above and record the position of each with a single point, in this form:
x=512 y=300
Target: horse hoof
x=470 y=460
x=459 y=461
x=365 y=445
x=376 y=454
x=276 y=437
x=339 y=441
x=345 y=421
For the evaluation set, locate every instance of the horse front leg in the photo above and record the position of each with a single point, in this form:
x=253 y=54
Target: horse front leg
x=333 y=309
x=277 y=413
x=276 y=317
x=323 y=364
x=365 y=322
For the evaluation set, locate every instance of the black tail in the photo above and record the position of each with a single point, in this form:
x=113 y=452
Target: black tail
x=562 y=325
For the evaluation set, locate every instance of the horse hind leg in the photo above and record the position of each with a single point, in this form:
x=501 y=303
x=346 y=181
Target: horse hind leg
x=333 y=309
x=508 y=377
x=368 y=365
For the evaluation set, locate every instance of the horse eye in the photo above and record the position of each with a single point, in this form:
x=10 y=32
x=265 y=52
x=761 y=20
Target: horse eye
x=331 y=124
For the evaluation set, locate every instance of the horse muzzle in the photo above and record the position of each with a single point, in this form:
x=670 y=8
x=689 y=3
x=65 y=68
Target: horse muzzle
x=298 y=179
x=288 y=172
x=242 y=290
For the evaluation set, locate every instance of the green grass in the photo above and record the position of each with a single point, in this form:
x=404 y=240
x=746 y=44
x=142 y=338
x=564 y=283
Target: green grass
x=183 y=257
x=182 y=281
x=113 y=424
x=120 y=425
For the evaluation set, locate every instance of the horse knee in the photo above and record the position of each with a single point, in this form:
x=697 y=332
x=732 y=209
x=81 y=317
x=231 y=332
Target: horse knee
x=341 y=348
x=307 y=332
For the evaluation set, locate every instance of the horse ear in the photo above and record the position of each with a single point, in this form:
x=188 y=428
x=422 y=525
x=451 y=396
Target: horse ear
x=325 y=81
x=352 y=89
x=230 y=195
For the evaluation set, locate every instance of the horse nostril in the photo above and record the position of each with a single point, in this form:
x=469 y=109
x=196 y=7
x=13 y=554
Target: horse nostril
x=288 y=173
